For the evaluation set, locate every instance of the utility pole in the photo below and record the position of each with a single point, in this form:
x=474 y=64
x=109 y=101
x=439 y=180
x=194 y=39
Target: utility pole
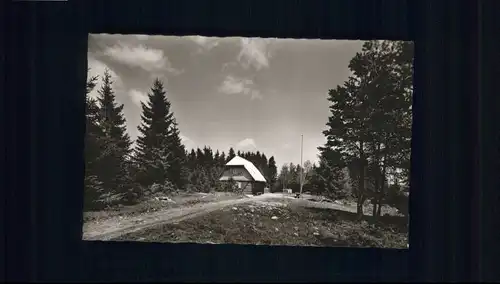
x=301 y=164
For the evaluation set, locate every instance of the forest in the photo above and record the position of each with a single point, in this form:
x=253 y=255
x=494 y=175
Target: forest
x=117 y=173
x=366 y=156
x=367 y=152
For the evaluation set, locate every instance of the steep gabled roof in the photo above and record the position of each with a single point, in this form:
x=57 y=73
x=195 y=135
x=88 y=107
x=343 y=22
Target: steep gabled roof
x=252 y=170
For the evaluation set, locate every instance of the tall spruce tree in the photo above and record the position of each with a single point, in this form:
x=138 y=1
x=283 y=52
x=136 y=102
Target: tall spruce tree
x=114 y=172
x=93 y=144
x=272 y=172
x=231 y=154
x=154 y=142
x=177 y=173
x=222 y=159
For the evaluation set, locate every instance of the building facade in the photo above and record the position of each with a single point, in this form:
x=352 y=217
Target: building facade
x=245 y=174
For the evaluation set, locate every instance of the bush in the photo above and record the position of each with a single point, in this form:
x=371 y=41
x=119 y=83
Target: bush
x=165 y=188
x=109 y=199
x=228 y=186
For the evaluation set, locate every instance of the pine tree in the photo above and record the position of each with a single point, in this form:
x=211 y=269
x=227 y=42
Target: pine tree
x=93 y=133
x=178 y=161
x=272 y=172
x=154 y=138
x=329 y=176
x=116 y=147
x=371 y=114
x=231 y=154
x=112 y=118
x=217 y=157
x=192 y=159
x=222 y=159
x=199 y=156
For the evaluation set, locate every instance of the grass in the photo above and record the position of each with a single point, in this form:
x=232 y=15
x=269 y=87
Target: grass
x=271 y=224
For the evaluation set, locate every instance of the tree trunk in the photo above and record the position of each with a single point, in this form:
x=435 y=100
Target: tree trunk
x=382 y=187
x=359 y=206
x=361 y=182
x=376 y=190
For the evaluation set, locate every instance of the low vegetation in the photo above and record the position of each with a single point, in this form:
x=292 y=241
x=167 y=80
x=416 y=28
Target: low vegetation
x=278 y=224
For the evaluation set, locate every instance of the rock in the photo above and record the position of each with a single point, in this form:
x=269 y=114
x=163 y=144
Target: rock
x=274 y=218
x=276 y=229
x=234 y=208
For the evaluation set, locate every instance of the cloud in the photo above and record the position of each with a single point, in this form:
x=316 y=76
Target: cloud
x=254 y=53
x=205 y=43
x=97 y=68
x=137 y=96
x=149 y=59
x=247 y=143
x=232 y=86
x=188 y=142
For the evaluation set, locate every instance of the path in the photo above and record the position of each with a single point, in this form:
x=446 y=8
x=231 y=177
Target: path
x=111 y=229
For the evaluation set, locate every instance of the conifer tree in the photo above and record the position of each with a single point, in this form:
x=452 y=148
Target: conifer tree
x=116 y=142
x=177 y=172
x=272 y=172
x=93 y=133
x=154 y=142
x=231 y=154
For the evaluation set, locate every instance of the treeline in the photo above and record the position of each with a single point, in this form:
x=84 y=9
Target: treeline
x=117 y=174
x=206 y=167
x=367 y=153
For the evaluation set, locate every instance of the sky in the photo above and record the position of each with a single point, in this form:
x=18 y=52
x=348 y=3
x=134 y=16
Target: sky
x=252 y=94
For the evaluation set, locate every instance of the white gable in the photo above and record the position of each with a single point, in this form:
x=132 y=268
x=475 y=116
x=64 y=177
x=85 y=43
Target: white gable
x=252 y=170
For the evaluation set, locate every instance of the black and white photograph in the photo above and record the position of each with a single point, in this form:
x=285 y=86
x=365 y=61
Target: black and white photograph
x=255 y=141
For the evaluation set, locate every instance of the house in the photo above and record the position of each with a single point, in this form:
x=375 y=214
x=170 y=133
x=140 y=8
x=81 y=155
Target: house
x=245 y=174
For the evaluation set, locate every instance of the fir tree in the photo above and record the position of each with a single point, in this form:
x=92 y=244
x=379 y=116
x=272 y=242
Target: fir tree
x=116 y=141
x=93 y=133
x=272 y=172
x=178 y=160
x=231 y=154
x=154 y=137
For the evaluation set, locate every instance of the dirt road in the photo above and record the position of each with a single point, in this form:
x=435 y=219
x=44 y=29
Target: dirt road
x=110 y=229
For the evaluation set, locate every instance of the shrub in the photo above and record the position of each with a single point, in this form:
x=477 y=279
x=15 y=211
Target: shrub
x=398 y=199
x=165 y=188
x=109 y=199
x=228 y=186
